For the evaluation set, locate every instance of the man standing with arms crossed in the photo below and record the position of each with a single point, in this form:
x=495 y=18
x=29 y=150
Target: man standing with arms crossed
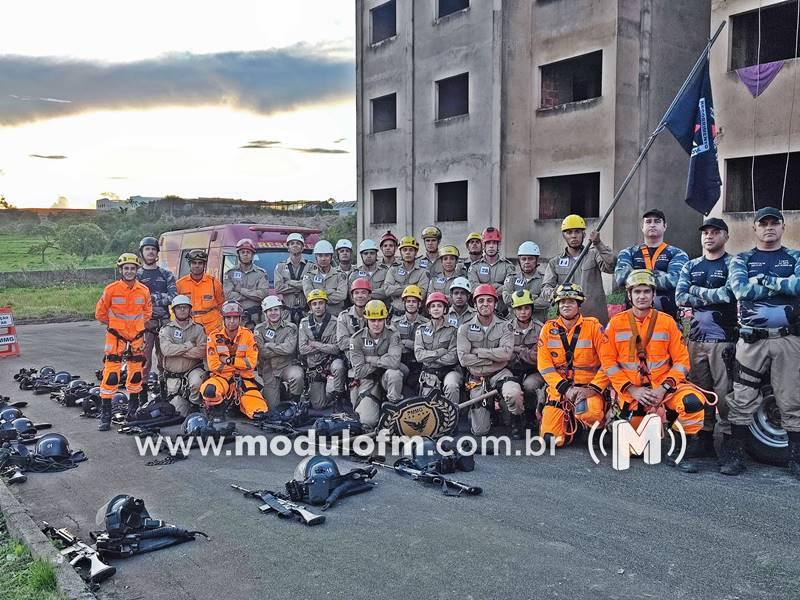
x=246 y=284
x=288 y=278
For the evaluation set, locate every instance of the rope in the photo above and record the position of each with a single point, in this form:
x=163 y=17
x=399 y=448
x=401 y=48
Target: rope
x=791 y=109
x=755 y=111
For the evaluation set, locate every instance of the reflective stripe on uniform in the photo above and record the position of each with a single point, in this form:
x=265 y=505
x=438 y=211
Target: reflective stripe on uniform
x=661 y=335
x=547 y=370
x=681 y=368
x=111 y=313
x=613 y=369
x=621 y=336
x=584 y=344
x=656 y=364
x=554 y=343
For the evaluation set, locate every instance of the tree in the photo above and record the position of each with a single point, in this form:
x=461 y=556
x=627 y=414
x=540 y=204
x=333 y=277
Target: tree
x=5 y=204
x=62 y=202
x=48 y=235
x=83 y=240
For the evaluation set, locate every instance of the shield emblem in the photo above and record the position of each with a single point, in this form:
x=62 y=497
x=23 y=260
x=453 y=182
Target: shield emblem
x=430 y=416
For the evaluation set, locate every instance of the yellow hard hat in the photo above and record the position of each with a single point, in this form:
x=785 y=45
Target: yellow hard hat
x=375 y=309
x=449 y=251
x=128 y=258
x=317 y=295
x=640 y=277
x=432 y=232
x=521 y=298
x=573 y=222
x=474 y=236
x=408 y=240
x=412 y=291
x=568 y=291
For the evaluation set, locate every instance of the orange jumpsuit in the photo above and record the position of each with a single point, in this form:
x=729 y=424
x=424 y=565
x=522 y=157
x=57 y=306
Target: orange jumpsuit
x=558 y=414
x=123 y=308
x=207 y=298
x=663 y=358
x=242 y=348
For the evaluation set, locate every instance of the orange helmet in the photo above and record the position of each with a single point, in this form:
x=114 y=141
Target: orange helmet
x=389 y=236
x=362 y=283
x=437 y=297
x=491 y=234
x=484 y=289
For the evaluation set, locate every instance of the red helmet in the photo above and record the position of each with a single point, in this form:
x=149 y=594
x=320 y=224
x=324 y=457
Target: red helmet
x=245 y=244
x=231 y=309
x=437 y=297
x=491 y=234
x=388 y=236
x=484 y=289
x=362 y=283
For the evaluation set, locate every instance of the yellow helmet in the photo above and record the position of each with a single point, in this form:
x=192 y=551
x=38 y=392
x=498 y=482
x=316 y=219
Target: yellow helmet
x=412 y=291
x=128 y=258
x=449 y=251
x=521 y=298
x=317 y=295
x=640 y=277
x=432 y=232
x=573 y=222
x=473 y=236
x=408 y=240
x=567 y=291
x=375 y=309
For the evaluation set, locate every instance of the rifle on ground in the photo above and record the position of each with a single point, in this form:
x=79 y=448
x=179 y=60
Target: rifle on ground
x=450 y=487
x=286 y=509
x=78 y=552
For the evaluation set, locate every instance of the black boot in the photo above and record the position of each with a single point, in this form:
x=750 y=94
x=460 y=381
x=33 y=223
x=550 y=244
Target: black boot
x=707 y=449
x=733 y=449
x=517 y=427
x=794 y=453
x=105 y=415
x=694 y=449
x=133 y=406
x=342 y=404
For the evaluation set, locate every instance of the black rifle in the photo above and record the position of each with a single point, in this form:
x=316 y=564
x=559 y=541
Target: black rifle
x=450 y=487
x=284 y=508
x=77 y=552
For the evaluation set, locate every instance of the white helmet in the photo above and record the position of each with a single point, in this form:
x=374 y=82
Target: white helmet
x=295 y=237
x=180 y=300
x=323 y=247
x=463 y=283
x=367 y=245
x=528 y=249
x=270 y=302
x=343 y=243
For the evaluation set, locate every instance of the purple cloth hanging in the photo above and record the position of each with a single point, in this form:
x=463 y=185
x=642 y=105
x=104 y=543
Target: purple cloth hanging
x=758 y=77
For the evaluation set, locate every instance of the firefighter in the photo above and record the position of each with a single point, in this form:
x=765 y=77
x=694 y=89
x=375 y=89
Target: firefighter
x=344 y=256
x=322 y=276
x=246 y=283
x=485 y=347
x=491 y=268
x=204 y=290
x=435 y=349
x=388 y=245
x=460 y=311
x=405 y=274
x=523 y=361
x=599 y=259
x=162 y=286
x=288 y=278
x=431 y=237
x=568 y=355
x=276 y=339
x=645 y=357
x=654 y=254
x=528 y=276
x=124 y=308
x=703 y=286
x=347 y=323
x=406 y=325
x=766 y=282
x=375 y=354
x=474 y=246
x=450 y=268
x=318 y=348
x=370 y=269
x=232 y=356
x=183 y=343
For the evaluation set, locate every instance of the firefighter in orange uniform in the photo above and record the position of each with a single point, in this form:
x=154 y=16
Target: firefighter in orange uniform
x=644 y=355
x=205 y=291
x=568 y=359
x=232 y=357
x=124 y=308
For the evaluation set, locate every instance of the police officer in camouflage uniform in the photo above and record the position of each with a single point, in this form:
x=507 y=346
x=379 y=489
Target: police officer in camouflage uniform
x=318 y=349
x=405 y=274
x=406 y=326
x=323 y=276
x=288 y=278
x=246 y=284
x=435 y=349
x=528 y=276
x=491 y=268
x=276 y=339
x=370 y=269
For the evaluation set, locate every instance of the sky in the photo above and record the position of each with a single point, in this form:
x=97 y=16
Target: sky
x=242 y=99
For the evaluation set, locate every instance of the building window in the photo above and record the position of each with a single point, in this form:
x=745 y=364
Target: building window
x=572 y=80
x=384 y=113
x=384 y=206
x=778 y=35
x=448 y=7
x=451 y=201
x=383 y=19
x=766 y=183
x=569 y=194
x=452 y=96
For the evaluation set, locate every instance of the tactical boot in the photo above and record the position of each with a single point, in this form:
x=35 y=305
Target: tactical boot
x=133 y=406
x=105 y=415
x=794 y=453
x=694 y=449
x=342 y=404
x=707 y=449
x=733 y=449
x=517 y=427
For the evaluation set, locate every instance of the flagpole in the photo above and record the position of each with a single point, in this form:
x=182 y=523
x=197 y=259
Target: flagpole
x=646 y=149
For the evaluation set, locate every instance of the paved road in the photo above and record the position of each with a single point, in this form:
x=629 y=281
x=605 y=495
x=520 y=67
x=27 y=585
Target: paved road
x=552 y=527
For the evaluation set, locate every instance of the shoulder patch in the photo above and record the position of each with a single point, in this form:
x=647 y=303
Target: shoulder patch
x=474 y=327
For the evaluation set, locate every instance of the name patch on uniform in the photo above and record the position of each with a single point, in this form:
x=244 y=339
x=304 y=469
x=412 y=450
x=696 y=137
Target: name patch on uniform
x=440 y=280
x=474 y=327
x=484 y=270
x=318 y=279
x=453 y=321
x=177 y=334
x=427 y=331
x=424 y=263
x=401 y=272
x=404 y=324
x=269 y=334
x=563 y=262
x=368 y=343
x=362 y=274
x=237 y=274
x=208 y=297
x=519 y=281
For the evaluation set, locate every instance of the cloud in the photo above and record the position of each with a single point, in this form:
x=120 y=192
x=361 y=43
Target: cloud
x=262 y=82
x=339 y=141
x=274 y=144
x=62 y=202
x=48 y=156
x=118 y=177
x=320 y=150
x=261 y=144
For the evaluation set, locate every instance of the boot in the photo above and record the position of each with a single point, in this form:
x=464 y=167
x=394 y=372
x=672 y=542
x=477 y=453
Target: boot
x=342 y=404
x=133 y=406
x=517 y=427
x=694 y=449
x=794 y=453
x=105 y=415
x=707 y=449
x=733 y=449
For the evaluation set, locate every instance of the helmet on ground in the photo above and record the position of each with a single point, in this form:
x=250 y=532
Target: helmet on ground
x=375 y=309
x=412 y=291
x=316 y=466
x=343 y=243
x=53 y=445
x=573 y=222
x=119 y=398
x=231 y=309
x=7 y=415
x=197 y=254
x=152 y=378
x=426 y=453
x=181 y=300
x=149 y=241
x=437 y=297
x=484 y=289
x=360 y=283
x=271 y=302
x=23 y=425
x=76 y=383
x=47 y=372
x=316 y=295
x=462 y=283
x=449 y=251
x=389 y=236
x=295 y=237
x=408 y=241
x=474 y=235
x=528 y=249
x=640 y=277
x=491 y=234
x=569 y=291
x=128 y=258
x=323 y=247
x=245 y=244
x=194 y=424
x=431 y=232
x=367 y=245
x=521 y=298
x=62 y=378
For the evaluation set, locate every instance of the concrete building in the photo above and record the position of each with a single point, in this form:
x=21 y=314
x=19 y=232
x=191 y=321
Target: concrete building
x=515 y=113
x=765 y=127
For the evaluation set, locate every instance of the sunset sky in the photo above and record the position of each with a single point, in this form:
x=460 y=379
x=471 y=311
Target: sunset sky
x=155 y=98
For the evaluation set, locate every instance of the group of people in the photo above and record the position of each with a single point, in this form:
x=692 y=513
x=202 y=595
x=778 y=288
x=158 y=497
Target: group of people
x=402 y=322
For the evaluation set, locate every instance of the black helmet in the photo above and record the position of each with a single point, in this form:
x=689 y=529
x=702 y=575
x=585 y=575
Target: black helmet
x=47 y=372
x=76 y=383
x=118 y=398
x=149 y=241
x=154 y=410
x=194 y=424
x=24 y=426
x=315 y=477
x=95 y=391
x=122 y=514
x=316 y=467
x=53 y=445
x=197 y=255
x=62 y=378
x=152 y=379
x=9 y=414
x=426 y=453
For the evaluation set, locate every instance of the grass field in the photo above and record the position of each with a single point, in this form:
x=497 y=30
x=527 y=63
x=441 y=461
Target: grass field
x=14 y=256
x=61 y=302
x=24 y=578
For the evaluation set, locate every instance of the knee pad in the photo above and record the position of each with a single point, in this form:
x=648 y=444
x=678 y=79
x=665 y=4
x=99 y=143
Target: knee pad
x=112 y=379
x=137 y=378
x=692 y=403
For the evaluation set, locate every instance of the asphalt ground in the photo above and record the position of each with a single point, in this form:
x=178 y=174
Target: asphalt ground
x=548 y=527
